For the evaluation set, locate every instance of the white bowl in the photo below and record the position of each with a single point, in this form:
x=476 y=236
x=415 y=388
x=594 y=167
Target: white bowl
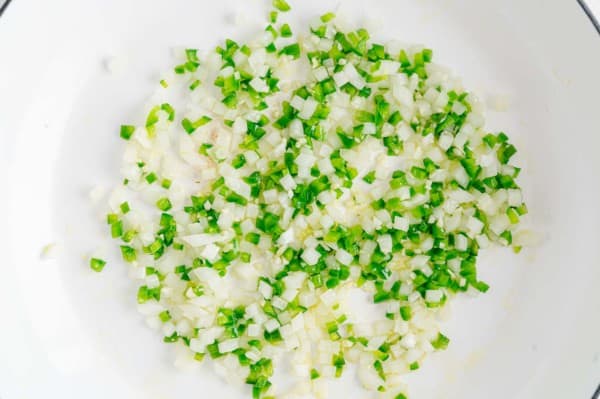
x=67 y=332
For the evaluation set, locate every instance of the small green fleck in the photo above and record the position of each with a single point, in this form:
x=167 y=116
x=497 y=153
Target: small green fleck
x=327 y=17
x=116 y=229
x=291 y=50
x=127 y=131
x=190 y=126
x=406 y=312
x=253 y=238
x=513 y=215
x=97 y=264
x=128 y=253
x=440 y=342
x=369 y=177
x=281 y=5
x=194 y=84
x=238 y=161
x=314 y=374
x=165 y=183
x=285 y=30
x=125 y=207
x=151 y=177
x=164 y=316
x=112 y=218
x=164 y=204
x=204 y=148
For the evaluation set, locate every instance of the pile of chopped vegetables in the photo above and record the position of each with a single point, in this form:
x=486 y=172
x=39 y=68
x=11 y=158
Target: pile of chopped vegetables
x=273 y=183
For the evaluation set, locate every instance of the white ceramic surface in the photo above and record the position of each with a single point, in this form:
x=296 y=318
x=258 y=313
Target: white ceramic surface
x=66 y=332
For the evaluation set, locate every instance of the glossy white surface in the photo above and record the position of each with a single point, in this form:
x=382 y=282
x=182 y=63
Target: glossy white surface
x=67 y=332
x=594 y=5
